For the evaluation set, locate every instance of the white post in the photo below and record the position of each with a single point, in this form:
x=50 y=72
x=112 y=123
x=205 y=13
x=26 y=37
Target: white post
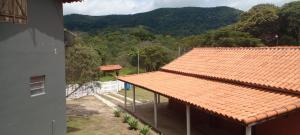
x=155 y=110
x=125 y=99
x=188 y=120
x=138 y=60
x=133 y=96
x=248 y=130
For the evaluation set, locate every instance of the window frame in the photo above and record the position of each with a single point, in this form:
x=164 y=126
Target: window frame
x=37 y=90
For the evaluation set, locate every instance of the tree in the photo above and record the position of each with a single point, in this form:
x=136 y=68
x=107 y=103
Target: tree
x=152 y=57
x=81 y=64
x=261 y=21
x=221 y=38
x=290 y=20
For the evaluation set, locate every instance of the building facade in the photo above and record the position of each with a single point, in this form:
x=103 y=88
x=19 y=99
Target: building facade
x=32 y=69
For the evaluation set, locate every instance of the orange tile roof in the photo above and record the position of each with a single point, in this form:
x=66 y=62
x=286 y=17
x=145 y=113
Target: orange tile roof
x=109 y=67
x=243 y=104
x=237 y=83
x=69 y=1
x=278 y=68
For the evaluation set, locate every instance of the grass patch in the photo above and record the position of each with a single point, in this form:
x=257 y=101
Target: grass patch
x=107 y=78
x=126 y=118
x=143 y=95
x=145 y=130
x=117 y=113
x=133 y=123
x=110 y=76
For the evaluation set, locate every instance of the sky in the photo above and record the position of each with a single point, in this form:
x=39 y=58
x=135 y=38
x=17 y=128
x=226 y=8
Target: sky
x=108 y=7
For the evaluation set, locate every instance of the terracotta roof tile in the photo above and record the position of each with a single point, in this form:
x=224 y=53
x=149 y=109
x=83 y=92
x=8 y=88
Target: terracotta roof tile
x=240 y=103
x=69 y=1
x=109 y=67
x=268 y=67
x=237 y=83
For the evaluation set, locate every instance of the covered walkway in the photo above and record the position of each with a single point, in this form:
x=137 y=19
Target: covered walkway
x=245 y=86
x=172 y=121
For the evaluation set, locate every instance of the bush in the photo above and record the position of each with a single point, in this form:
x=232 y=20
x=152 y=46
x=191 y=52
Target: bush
x=117 y=113
x=145 y=130
x=126 y=118
x=133 y=123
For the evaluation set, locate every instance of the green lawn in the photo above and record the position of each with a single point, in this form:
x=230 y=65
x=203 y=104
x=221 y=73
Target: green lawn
x=143 y=95
x=124 y=71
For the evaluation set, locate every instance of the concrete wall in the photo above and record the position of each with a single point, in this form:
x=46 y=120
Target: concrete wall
x=288 y=125
x=26 y=50
x=203 y=119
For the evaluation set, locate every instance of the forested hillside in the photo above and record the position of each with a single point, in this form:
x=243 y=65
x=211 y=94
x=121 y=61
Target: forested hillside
x=172 y=21
x=159 y=40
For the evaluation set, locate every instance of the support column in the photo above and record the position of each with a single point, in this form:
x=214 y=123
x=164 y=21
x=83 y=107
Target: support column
x=133 y=97
x=155 y=110
x=248 y=130
x=188 y=120
x=125 y=99
x=158 y=99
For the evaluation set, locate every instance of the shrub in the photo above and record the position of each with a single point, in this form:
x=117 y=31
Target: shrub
x=117 y=113
x=126 y=118
x=133 y=123
x=145 y=130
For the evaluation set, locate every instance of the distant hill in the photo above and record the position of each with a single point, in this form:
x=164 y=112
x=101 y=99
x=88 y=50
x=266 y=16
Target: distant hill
x=173 y=21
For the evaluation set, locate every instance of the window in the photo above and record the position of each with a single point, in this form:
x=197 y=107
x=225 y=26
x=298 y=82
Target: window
x=37 y=85
x=13 y=11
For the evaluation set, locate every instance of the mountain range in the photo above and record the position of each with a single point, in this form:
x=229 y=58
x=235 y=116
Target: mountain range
x=173 y=21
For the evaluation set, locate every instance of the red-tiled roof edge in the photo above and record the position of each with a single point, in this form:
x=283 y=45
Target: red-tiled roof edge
x=249 y=84
x=250 y=48
x=259 y=118
x=69 y=1
x=110 y=67
x=276 y=112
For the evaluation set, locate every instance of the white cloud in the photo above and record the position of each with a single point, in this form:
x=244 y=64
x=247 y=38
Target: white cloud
x=107 y=7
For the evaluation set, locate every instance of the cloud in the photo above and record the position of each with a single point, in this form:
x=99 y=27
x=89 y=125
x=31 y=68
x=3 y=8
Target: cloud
x=108 y=7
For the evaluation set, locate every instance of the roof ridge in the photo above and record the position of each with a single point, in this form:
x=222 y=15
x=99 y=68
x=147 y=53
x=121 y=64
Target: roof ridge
x=236 y=82
x=250 y=48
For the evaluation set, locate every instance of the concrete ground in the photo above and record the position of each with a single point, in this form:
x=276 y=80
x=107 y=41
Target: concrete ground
x=172 y=122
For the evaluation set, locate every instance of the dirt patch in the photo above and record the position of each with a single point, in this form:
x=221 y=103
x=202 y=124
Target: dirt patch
x=89 y=116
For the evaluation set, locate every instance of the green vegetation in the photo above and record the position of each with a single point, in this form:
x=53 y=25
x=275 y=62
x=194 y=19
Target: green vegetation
x=113 y=41
x=81 y=61
x=145 y=130
x=265 y=21
x=117 y=113
x=221 y=38
x=290 y=23
x=172 y=21
x=143 y=95
x=126 y=118
x=133 y=123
